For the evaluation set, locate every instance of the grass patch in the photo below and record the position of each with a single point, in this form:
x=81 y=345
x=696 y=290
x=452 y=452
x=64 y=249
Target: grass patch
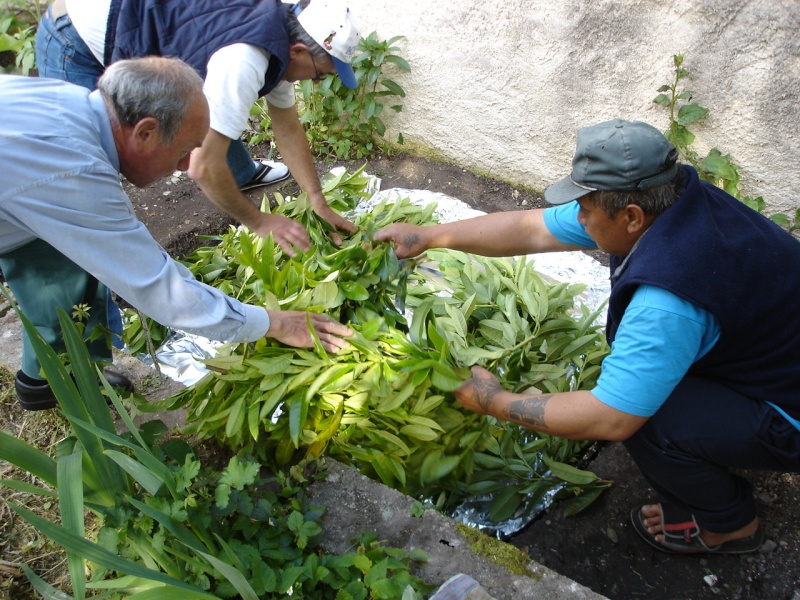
x=20 y=542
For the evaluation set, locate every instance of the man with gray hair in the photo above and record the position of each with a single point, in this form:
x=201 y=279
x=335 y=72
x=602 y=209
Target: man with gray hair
x=703 y=374
x=68 y=230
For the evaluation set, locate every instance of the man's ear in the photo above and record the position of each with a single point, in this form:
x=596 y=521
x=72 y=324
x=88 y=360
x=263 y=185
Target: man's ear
x=297 y=49
x=146 y=134
x=637 y=220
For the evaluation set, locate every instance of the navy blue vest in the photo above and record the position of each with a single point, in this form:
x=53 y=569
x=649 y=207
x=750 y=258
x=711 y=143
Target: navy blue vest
x=715 y=252
x=193 y=30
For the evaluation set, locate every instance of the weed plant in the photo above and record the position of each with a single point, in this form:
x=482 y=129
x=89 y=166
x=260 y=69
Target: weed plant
x=18 y=21
x=342 y=123
x=717 y=168
x=386 y=404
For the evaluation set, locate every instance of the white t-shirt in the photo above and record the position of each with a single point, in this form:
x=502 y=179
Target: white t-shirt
x=90 y=20
x=234 y=74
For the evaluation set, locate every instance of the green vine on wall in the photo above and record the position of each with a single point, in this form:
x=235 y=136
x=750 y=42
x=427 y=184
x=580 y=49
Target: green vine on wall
x=715 y=167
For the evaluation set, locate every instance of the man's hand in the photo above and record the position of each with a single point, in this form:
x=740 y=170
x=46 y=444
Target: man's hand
x=478 y=393
x=288 y=234
x=337 y=221
x=290 y=136
x=291 y=328
x=407 y=239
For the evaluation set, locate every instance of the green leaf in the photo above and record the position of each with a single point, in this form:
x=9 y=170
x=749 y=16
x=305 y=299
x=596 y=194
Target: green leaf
x=169 y=593
x=689 y=113
x=47 y=591
x=240 y=474
x=446 y=383
x=505 y=504
x=94 y=553
x=569 y=473
x=236 y=578
x=298 y=409
x=419 y=432
x=436 y=465
x=393 y=87
x=28 y=458
x=399 y=61
x=575 y=505
x=142 y=475
x=70 y=503
x=354 y=291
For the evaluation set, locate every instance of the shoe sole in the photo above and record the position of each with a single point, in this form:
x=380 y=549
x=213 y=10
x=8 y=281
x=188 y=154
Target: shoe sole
x=34 y=405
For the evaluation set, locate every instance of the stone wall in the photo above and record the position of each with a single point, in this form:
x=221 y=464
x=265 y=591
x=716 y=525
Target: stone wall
x=501 y=86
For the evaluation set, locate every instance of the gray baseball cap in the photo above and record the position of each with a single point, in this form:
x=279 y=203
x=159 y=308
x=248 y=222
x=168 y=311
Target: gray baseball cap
x=616 y=156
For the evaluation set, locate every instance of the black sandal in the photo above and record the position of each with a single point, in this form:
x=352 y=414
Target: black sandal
x=681 y=534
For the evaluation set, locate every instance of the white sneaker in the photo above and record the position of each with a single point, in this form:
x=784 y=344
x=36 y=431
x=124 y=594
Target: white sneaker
x=267 y=173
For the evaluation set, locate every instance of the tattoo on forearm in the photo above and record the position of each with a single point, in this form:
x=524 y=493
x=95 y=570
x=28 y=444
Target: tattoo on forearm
x=529 y=411
x=485 y=390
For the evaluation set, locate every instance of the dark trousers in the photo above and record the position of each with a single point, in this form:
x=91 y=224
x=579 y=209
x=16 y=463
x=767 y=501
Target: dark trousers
x=41 y=279
x=688 y=449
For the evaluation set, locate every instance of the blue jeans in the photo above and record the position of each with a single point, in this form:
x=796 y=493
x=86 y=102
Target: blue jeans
x=62 y=54
x=704 y=430
x=240 y=162
x=42 y=279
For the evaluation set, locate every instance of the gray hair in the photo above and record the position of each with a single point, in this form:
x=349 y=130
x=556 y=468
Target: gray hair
x=154 y=86
x=653 y=201
x=298 y=34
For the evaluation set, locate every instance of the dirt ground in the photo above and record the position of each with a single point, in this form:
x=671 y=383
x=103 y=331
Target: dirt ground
x=597 y=548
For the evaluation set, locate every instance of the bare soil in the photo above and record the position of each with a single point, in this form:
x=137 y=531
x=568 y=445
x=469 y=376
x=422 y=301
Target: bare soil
x=597 y=548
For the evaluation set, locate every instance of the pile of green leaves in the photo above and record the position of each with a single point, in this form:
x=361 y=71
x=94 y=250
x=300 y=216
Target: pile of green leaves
x=342 y=123
x=173 y=528
x=717 y=168
x=385 y=405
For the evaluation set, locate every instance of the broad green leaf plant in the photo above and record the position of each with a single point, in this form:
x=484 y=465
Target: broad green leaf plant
x=342 y=123
x=385 y=405
x=171 y=528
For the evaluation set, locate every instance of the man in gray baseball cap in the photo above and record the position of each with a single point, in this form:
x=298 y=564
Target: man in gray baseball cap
x=703 y=375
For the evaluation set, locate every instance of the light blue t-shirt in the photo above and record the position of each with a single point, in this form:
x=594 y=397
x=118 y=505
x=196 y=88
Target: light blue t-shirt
x=659 y=338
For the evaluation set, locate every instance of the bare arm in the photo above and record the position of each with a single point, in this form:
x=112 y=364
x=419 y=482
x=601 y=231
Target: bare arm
x=497 y=234
x=209 y=168
x=573 y=415
x=293 y=145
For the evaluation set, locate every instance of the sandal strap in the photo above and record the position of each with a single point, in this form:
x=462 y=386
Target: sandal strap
x=678 y=526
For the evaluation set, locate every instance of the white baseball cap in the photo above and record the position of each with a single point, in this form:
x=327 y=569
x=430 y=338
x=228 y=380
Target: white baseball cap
x=330 y=23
